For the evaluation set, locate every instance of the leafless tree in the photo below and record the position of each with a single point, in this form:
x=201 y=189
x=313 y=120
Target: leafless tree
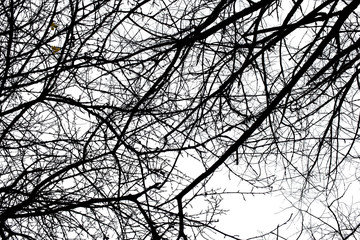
x=103 y=103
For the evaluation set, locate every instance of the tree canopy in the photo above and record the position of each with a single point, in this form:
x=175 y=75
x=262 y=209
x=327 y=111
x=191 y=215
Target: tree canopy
x=104 y=104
